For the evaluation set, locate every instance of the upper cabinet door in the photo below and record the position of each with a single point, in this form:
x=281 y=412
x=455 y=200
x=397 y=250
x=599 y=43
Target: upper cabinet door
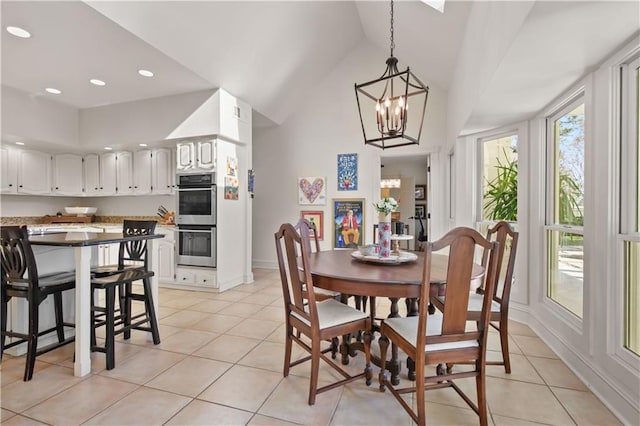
x=185 y=156
x=8 y=171
x=207 y=155
x=34 y=172
x=92 y=174
x=108 y=174
x=162 y=172
x=67 y=174
x=124 y=174
x=142 y=171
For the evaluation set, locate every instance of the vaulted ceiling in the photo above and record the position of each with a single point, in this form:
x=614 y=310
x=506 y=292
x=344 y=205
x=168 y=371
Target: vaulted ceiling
x=270 y=53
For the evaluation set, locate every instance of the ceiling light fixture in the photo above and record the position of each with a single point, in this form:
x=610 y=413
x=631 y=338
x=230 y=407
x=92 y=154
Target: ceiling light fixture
x=387 y=99
x=20 y=143
x=18 y=32
x=97 y=82
x=145 y=73
x=142 y=144
x=53 y=90
x=108 y=148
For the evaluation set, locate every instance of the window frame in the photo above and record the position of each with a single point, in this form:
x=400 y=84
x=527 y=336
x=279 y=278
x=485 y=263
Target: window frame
x=627 y=159
x=480 y=219
x=568 y=104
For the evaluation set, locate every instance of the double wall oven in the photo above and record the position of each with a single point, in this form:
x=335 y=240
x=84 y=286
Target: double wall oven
x=196 y=219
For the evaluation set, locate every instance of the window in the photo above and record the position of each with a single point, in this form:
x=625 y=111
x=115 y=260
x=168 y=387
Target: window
x=630 y=205
x=565 y=206
x=499 y=179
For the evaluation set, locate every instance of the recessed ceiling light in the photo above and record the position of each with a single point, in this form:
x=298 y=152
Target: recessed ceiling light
x=108 y=148
x=145 y=73
x=18 y=32
x=19 y=143
x=53 y=90
x=97 y=82
x=143 y=144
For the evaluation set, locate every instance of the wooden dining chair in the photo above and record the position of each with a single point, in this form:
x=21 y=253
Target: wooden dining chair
x=504 y=234
x=443 y=338
x=317 y=320
x=20 y=279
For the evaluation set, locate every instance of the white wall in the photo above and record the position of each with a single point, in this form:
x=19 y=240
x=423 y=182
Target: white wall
x=307 y=144
x=150 y=120
x=490 y=30
x=34 y=205
x=39 y=119
x=134 y=205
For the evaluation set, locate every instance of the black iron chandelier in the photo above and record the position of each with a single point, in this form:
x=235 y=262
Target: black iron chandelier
x=387 y=99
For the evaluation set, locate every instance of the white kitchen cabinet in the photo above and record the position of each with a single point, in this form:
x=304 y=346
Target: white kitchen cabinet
x=8 y=170
x=162 y=174
x=108 y=172
x=206 y=278
x=166 y=256
x=124 y=173
x=206 y=155
x=67 y=174
x=34 y=172
x=92 y=174
x=142 y=165
x=185 y=156
x=196 y=155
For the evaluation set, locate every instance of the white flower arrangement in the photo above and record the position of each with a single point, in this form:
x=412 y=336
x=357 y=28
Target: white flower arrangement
x=386 y=205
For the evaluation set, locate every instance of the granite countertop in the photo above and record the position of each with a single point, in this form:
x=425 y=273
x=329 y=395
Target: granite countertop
x=35 y=222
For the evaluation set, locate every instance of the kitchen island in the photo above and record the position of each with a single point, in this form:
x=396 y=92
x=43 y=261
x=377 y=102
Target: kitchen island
x=82 y=243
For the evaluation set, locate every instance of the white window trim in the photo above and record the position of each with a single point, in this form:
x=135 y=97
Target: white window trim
x=568 y=103
x=625 y=161
x=479 y=140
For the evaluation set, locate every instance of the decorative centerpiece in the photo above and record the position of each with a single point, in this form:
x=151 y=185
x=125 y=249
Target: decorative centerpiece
x=384 y=208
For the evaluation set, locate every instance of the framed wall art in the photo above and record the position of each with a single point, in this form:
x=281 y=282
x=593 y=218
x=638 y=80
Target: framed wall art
x=347 y=172
x=312 y=191
x=317 y=218
x=421 y=192
x=348 y=225
x=421 y=211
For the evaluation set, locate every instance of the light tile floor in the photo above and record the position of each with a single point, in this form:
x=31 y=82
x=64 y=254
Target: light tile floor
x=220 y=363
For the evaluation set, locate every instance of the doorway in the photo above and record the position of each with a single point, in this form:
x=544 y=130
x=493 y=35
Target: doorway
x=412 y=173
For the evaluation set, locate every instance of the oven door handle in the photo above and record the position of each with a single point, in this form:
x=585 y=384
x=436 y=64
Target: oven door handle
x=203 y=188
x=194 y=230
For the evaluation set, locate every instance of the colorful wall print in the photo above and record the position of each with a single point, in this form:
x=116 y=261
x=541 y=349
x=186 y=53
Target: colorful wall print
x=347 y=172
x=230 y=188
x=232 y=166
x=348 y=222
x=317 y=218
x=312 y=190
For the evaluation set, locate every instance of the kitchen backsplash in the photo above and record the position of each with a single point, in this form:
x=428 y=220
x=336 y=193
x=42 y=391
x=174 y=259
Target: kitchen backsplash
x=38 y=220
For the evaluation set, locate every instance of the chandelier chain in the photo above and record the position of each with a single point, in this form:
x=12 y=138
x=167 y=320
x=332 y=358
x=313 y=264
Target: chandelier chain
x=393 y=44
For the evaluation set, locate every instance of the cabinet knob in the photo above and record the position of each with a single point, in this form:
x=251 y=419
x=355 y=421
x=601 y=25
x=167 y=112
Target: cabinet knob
x=100 y=187
x=204 y=281
x=10 y=185
x=184 y=278
x=130 y=186
x=134 y=187
x=20 y=186
x=57 y=188
x=96 y=188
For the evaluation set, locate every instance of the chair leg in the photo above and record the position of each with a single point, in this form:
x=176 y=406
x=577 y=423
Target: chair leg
x=32 y=345
x=383 y=341
x=125 y=291
x=504 y=343
x=368 y=372
x=287 y=351
x=3 y=322
x=151 y=312
x=110 y=327
x=92 y=310
x=57 y=304
x=480 y=390
x=420 y=402
x=315 y=371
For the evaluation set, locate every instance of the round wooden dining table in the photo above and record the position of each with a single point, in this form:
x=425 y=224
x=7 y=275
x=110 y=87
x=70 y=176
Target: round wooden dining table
x=338 y=271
